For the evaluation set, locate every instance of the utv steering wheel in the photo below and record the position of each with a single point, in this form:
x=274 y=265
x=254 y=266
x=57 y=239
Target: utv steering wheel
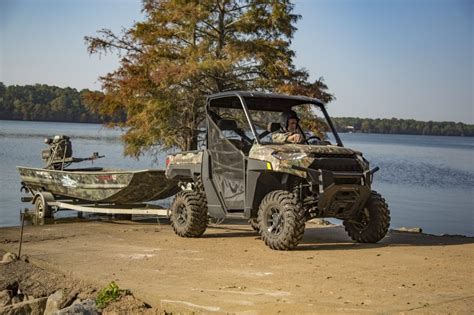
x=313 y=138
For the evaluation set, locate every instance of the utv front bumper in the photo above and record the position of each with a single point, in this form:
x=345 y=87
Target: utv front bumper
x=340 y=194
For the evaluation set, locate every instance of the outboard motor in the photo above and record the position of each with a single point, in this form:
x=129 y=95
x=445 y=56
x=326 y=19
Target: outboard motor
x=59 y=154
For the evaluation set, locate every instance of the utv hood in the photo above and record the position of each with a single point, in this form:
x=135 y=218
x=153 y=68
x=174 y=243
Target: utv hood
x=284 y=156
x=261 y=151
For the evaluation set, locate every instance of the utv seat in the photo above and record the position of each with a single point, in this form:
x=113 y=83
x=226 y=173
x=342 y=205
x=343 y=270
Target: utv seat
x=231 y=125
x=241 y=145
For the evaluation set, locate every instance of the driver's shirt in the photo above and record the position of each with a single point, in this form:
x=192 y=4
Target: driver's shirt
x=282 y=137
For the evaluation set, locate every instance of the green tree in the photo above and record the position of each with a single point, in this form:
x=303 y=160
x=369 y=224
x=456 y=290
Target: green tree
x=184 y=50
x=365 y=126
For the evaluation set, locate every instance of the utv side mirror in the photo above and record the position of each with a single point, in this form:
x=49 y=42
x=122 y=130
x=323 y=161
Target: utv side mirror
x=227 y=124
x=273 y=126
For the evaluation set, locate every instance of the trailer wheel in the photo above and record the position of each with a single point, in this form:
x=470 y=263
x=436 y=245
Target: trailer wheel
x=372 y=223
x=281 y=220
x=42 y=210
x=189 y=214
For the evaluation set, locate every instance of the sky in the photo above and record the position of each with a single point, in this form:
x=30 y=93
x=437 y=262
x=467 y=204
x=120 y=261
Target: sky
x=380 y=58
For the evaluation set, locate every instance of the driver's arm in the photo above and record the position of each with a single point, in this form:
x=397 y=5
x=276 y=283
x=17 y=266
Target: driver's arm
x=280 y=137
x=295 y=138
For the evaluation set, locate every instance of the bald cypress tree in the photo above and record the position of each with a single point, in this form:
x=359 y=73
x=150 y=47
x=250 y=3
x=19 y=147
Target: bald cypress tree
x=184 y=50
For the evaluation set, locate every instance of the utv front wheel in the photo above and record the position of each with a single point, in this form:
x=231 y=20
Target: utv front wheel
x=254 y=224
x=189 y=214
x=372 y=223
x=280 y=220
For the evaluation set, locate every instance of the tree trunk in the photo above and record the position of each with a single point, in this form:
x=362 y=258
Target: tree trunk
x=192 y=142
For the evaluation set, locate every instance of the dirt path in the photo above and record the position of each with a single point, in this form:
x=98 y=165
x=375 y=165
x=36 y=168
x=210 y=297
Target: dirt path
x=231 y=270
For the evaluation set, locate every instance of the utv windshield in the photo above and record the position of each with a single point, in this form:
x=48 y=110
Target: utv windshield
x=266 y=122
x=273 y=126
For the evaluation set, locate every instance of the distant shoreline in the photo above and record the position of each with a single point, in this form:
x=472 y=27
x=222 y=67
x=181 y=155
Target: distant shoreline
x=41 y=102
x=339 y=128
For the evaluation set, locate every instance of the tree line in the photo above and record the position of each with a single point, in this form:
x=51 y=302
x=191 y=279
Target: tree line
x=45 y=103
x=403 y=126
x=51 y=103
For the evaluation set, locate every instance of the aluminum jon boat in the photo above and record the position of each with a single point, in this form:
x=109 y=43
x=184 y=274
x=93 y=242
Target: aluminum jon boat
x=99 y=185
x=94 y=185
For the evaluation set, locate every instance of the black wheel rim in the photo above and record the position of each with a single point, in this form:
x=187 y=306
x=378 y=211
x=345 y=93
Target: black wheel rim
x=274 y=221
x=362 y=220
x=181 y=215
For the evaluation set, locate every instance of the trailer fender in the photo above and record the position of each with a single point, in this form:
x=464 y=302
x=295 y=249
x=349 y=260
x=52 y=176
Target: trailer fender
x=46 y=196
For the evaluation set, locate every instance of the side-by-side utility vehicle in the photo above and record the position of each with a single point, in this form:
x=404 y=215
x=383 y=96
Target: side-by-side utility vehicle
x=242 y=173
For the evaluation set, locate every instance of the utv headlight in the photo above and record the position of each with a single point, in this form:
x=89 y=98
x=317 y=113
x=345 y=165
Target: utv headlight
x=289 y=155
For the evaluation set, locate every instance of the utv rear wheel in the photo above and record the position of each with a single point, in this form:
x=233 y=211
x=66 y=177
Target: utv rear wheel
x=189 y=214
x=281 y=220
x=372 y=223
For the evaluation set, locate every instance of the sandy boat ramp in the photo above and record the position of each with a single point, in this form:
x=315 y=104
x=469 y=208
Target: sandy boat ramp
x=230 y=270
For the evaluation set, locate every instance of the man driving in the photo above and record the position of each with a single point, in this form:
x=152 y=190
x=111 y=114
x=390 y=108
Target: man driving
x=289 y=131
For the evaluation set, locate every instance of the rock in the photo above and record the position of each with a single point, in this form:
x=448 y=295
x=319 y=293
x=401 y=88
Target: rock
x=52 y=304
x=411 y=230
x=77 y=301
x=5 y=298
x=68 y=297
x=86 y=307
x=33 y=307
x=16 y=299
x=8 y=258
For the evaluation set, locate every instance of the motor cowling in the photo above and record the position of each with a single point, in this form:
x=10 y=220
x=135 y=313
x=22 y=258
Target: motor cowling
x=60 y=149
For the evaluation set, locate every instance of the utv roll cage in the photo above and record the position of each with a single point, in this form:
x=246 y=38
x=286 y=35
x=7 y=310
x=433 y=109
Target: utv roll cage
x=248 y=100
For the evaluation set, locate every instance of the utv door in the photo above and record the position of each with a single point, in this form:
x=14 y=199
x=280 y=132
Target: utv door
x=227 y=168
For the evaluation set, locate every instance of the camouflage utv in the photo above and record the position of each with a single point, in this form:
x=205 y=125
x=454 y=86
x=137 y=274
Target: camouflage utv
x=241 y=173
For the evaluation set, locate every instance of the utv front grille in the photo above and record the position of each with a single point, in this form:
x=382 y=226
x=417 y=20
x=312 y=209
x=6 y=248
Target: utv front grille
x=337 y=164
x=332 y=156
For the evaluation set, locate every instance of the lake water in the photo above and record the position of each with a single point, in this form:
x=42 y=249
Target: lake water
x=428 y=181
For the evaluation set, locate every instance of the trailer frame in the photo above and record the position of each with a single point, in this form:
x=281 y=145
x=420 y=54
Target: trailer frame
x=45 y=204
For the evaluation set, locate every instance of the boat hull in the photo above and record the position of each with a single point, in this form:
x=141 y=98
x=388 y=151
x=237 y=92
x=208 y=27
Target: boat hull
x=114 y=186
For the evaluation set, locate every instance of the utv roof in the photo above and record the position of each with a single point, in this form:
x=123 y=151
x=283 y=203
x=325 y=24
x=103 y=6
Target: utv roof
x=260 y=100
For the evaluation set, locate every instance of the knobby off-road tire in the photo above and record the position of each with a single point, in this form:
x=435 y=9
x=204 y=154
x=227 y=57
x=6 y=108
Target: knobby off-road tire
x=189 y=214
x=254 y=224
x=281 y=220
x=198 y=184
x=199 y=188
x=372 y=223
x=42 y=210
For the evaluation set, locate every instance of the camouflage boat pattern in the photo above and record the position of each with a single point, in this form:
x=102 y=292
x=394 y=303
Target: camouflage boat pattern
x=100 y=185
